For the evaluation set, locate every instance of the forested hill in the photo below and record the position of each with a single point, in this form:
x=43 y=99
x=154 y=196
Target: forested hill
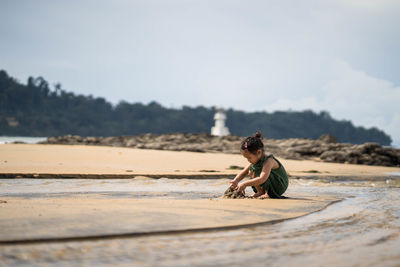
x=34 y=109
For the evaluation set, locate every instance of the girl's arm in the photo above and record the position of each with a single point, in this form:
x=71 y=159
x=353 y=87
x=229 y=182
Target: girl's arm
x=266 y=171
x=240 y=176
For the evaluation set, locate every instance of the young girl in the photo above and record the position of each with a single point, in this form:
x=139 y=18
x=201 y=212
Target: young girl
x=268 y=176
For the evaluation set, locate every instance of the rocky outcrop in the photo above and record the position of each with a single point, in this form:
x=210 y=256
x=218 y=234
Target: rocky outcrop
x=325 y=149
x=175 y=142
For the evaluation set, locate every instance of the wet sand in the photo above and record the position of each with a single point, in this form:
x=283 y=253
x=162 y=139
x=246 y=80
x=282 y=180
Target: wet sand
x=83 y=217
x=366 y=222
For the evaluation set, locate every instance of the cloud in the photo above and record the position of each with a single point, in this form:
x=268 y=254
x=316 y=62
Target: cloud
x=266 y=54
x=352 y=94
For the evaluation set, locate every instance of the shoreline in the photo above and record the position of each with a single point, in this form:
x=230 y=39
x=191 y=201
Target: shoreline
x=71 y=176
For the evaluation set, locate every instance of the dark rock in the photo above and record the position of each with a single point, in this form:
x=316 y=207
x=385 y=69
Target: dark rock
x=328 y=138
x=18 y=142
x=333 y=156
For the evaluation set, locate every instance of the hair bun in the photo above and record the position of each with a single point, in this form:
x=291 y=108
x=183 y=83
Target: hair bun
x=258 y=135
x=253 y=143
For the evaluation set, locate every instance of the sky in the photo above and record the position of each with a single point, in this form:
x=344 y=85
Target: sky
x=341 y=56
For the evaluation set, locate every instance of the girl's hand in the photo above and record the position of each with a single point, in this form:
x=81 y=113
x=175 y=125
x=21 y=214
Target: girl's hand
x=234 y=183
x=241 y=187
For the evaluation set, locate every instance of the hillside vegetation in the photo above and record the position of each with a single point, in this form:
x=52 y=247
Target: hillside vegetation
x=35 y=109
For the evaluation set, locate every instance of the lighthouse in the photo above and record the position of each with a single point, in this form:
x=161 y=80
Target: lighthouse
x=219 y=128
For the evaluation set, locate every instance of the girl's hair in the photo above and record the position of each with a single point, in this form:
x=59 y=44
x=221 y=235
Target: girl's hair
x=253 y=143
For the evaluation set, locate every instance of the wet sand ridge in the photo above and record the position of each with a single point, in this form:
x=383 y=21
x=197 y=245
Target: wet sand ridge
x=82 y=217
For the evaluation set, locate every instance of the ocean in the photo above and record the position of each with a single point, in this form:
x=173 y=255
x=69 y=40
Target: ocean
x=25 y=139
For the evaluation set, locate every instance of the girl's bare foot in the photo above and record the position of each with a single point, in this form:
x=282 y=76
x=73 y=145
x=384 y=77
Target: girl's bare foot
x=260 y=191
x=264 y=196
x=256 y=195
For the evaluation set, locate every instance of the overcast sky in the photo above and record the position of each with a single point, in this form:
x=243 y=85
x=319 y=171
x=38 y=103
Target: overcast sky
x=342 y=56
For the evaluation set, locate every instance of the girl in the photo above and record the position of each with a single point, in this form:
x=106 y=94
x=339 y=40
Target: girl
x=268 y=176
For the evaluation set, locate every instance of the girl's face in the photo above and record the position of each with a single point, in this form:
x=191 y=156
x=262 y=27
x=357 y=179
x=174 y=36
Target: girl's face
x=252 y=158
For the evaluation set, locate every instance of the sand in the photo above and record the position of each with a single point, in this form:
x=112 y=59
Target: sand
x=41 y=219
x=82 y=217
x=65 y=161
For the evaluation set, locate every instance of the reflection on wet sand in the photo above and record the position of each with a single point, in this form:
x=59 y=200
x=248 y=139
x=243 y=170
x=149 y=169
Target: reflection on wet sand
x=363 y=229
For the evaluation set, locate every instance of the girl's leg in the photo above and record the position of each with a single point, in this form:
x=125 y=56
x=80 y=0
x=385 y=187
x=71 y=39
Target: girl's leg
x=260 y=191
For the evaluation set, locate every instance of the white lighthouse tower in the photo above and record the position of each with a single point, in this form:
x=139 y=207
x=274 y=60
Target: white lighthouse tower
x=219 y=128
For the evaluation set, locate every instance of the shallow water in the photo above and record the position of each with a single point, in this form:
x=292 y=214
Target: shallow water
x=363 y=229
x=25 y=139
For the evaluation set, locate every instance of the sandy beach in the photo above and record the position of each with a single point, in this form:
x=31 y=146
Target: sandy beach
x=65 y=161
x=115 y=197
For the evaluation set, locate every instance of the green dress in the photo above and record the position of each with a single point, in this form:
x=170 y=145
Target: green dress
x=277 y=181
